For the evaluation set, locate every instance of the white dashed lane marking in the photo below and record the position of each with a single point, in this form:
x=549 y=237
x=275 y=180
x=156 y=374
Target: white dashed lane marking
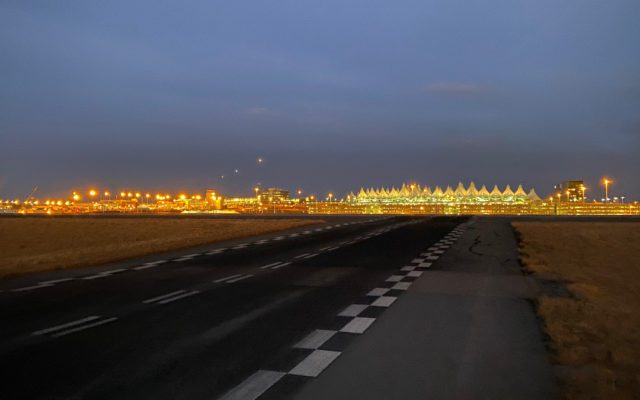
x=270 y=265
x=383 y=301
x=67 y=325
x=29 y=288
x=315 y=339
x=216 y=251
x=395 y=278
x=103 y=274
x=281 y=265
x=315 y=363
x=53 y=282
x=254 y=386
x=357 y=325
x=149 y=265
x=226 y=278
x=401 y=285
x=181 y=296
x=187 y=257
x=240 y=278
x=75 y=326
x=171 y=297
x=378 y=292
x=353 y=310
x=164 y=296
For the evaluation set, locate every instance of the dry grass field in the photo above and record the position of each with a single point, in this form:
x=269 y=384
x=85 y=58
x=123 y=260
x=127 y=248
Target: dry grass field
x=39 y=244
x=595 y=336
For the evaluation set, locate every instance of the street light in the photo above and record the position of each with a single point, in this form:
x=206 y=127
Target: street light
x=606 y=182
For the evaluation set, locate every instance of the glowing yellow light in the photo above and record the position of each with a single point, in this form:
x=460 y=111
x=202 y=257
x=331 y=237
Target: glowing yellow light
x=138 y=195
x=182 y=197
x=107 y=194
x=122 y=194
x=147 y=195
x=92 y=192
x=76 y=197
x=198 y=197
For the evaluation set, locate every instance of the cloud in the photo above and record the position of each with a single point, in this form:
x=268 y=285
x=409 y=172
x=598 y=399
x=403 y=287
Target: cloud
x=454 y=88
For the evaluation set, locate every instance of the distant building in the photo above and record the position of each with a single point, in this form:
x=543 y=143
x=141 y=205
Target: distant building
x=214 y=200
x=273 y=195
x=571 y=191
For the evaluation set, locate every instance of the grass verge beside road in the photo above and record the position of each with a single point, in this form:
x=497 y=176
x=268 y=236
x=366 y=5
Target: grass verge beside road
x=38 y=244
x=594 y=330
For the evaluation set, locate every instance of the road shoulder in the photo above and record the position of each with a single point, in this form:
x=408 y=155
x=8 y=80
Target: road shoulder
x=465 y=329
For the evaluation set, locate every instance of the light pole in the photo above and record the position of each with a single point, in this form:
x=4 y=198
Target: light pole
x=92 y=193
x=606 y=182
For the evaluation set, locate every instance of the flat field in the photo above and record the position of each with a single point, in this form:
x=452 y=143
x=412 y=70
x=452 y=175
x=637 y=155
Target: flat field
x=39 y=244
x=594 y=333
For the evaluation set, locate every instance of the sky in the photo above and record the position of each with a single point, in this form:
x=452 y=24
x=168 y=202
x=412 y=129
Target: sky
x=332 y=95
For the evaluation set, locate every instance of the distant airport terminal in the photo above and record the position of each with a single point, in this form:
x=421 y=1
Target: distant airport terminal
x=568 y=198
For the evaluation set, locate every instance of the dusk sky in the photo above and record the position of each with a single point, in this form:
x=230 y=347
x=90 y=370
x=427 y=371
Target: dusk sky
x=333 y=95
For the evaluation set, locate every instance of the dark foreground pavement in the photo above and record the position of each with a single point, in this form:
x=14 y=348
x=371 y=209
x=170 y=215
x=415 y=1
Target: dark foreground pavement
x=361 y=308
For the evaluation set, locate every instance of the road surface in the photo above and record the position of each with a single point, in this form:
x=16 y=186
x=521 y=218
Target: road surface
x=257 y=318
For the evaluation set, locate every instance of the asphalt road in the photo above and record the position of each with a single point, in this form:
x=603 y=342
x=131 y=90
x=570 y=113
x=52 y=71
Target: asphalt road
x=217 y=321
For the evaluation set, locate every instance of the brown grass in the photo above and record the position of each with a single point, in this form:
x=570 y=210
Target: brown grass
x=39 y=244
x=595 y=337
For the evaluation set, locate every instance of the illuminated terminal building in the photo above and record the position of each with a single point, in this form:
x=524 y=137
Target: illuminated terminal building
x=415 y=194
x=416 y=199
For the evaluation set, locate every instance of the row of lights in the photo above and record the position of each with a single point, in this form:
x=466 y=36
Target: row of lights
x=135 y=195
